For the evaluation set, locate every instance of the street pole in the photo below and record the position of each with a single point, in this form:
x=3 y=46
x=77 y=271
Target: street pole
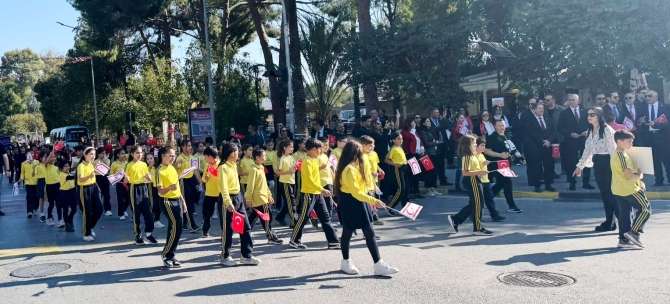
x=291 y=115
x=209 y=70
x=95 y=104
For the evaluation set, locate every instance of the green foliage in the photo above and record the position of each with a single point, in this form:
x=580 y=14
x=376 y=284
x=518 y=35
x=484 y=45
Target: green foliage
x=10 y=102
x=24 y=123
x=322 y=48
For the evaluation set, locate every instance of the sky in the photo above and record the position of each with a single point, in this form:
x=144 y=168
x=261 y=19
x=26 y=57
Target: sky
x=42 y=33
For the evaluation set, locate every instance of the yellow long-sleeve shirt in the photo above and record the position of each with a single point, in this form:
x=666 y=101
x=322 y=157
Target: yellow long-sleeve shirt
x=211 y=182
x=286 y=162
x=352 y=182
x=40 y=170
x=64 y=183
x=311 y=180
x=257 y=187
x=51 y=174
x=337 y=152
x=245 y=165
x=27 y=175
x=117 y=166
x=325 y=174
x=229 y=182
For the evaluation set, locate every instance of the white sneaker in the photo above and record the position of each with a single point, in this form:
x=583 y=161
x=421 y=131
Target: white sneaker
x=122 y=218
x=50 y=222
x=89 y=238
x=215 y=215
x=436 y=193
x=348 y=267
x=229 y=262
x=158 y=224
x=92 y=233
x=250 y=261
x=108 y=213
x=432 y=194
x=125 y=213
x=383 y=269
x=60 y=224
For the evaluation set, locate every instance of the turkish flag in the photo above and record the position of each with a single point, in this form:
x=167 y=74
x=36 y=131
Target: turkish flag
x=331 y=140
x=555 y=151
x=427 y=164
x=239 y=136
x=238 y=222
x=313 y=215
x=264 y=216
x=662 y=119
x=211 y=170
x=58 y=146
x=298 y=165
x=503 y=164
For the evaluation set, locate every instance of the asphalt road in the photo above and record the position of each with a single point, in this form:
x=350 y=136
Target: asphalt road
x=436 y=266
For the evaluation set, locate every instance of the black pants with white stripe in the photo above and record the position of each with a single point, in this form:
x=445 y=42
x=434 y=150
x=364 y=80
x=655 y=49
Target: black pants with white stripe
x=172 y=209
x=267 y=225
x=474 y=207
x=634 y=212
x=209 y=203
x=305 y=206
x=246 y=244
x=91 y=207
x=141 y=206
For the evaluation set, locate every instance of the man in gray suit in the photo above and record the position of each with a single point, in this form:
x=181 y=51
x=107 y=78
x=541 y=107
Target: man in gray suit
x=551 y=113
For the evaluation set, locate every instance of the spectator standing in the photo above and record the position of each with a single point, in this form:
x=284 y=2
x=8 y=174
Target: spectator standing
x=537 y=141
x=655 y=134
x=573 y=125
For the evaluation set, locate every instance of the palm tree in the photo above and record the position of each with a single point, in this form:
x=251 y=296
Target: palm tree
x=322 y=47
x=366 y=32
x=299 y=107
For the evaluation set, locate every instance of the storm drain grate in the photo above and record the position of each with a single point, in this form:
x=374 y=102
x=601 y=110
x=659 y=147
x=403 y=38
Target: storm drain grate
x=536 y=279
x=40 y=270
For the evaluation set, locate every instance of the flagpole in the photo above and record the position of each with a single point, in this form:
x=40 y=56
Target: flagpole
x=95 y=104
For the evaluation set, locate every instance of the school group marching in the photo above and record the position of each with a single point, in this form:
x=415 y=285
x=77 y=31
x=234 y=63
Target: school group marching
x=312 y=184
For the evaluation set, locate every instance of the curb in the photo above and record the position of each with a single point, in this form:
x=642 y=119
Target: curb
x=558 y=195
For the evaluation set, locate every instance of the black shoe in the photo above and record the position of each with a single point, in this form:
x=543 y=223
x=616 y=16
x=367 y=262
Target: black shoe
x=483 y=232
x=452 y=222
x=205 y=234
x=603 y=227
x=196 y=229
x=315 y=223
x=572 y=187
x=498 y=218
x=550 y=189
x=43 y=218
x=167 y=263
x=658 y=184
x=589 y=187
x=175 y=263
x=514 y=209
x=2 y=213
x=69 y=228
x=281 y=221
x=298 y=245
x=139 y=241
x=151 y=239
x=537 y=189
x=275 y=240
x=334 y=246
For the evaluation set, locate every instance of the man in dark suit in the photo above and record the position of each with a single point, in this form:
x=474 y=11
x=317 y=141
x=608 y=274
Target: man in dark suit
x=364 y=128
x=440 y=127
x=319 y=130
x=629 y=110
x=655 y=134
x=538 y=136
x=552 y=112
x=573 y=124
x=613 y=105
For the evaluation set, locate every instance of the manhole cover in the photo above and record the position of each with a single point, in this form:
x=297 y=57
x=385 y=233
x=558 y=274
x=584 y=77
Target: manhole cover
x=40 y=270
x=536 y=279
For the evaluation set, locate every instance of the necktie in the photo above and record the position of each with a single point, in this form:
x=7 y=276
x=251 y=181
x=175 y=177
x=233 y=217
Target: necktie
x=632 y=114
x=616 y=111
x=542 y=123
x=576 y=115
x=653 y=113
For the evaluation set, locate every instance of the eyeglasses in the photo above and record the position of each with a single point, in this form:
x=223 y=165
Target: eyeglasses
x=615 y=97
x=417 y=117
x=283 y=130
x=601 y=98
x=593 y=114
x=485 y=114
x=630 y=97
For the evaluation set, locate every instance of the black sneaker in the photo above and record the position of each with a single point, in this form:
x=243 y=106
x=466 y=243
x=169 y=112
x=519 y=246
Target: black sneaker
x=297 y=245
x=334 y=246
x=151 y=239
x=514 y=209
x=483 y=232
x=452 y=223
x=43 y=218
x=205 y=234
x=498 y=218
x=30 y=215
x=139 y=241
x=167 y=263
x=175 y=263
x=588 y=187
x=274 y=240
x=315 y=223
x=196 y=229
x=69 y=228
x=2 y=213
x=185 y=227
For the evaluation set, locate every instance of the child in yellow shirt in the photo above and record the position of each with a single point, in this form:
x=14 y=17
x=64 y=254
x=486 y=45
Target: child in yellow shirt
x=286 y=172
x=258 y=196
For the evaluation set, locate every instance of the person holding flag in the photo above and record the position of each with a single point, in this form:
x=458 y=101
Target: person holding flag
x=286 y=171
x=138 y=176
x=167 y=182
x=211 y=179
x=498 y=152
x=89 y=197
x=190 y=183
x=354 y=208
x=102 y=181
x=257 y=197
x=397 y=184
x=234 y=213
x=122 y=194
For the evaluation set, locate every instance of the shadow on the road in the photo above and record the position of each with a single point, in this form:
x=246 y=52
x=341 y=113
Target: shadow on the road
x=523 y=238
x=543 y=258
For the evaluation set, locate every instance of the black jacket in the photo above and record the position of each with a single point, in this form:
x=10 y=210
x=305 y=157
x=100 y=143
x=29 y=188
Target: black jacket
x=428 y=140
x=534 y=135
x=568 y=124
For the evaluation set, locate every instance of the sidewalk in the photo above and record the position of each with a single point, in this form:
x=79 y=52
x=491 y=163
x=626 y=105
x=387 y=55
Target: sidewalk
x=522 y=189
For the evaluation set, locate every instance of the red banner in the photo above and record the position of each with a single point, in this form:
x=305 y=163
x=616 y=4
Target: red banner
x=555 y=151
x=211 y=170
x=427 y=164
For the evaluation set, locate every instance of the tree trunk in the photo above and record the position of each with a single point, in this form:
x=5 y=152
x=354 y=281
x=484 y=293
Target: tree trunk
x=223 y=37
x=365 y=33
x=299 y=107
x=167 y=36
x=283 y=88
x=277 y=108
x=357 y=104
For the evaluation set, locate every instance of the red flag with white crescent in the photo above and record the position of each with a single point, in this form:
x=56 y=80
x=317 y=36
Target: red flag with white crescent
x=427 y=163
x=238 y=222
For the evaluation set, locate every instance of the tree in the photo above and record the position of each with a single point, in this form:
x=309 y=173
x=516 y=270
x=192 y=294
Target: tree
x=366 y=34
x=322 y=47
x=10 y=102
x=299 y=106
x=19 y=123
x=23 y=67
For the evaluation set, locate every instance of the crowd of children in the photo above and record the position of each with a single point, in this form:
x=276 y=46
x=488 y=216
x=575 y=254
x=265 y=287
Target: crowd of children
x=243 y=186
